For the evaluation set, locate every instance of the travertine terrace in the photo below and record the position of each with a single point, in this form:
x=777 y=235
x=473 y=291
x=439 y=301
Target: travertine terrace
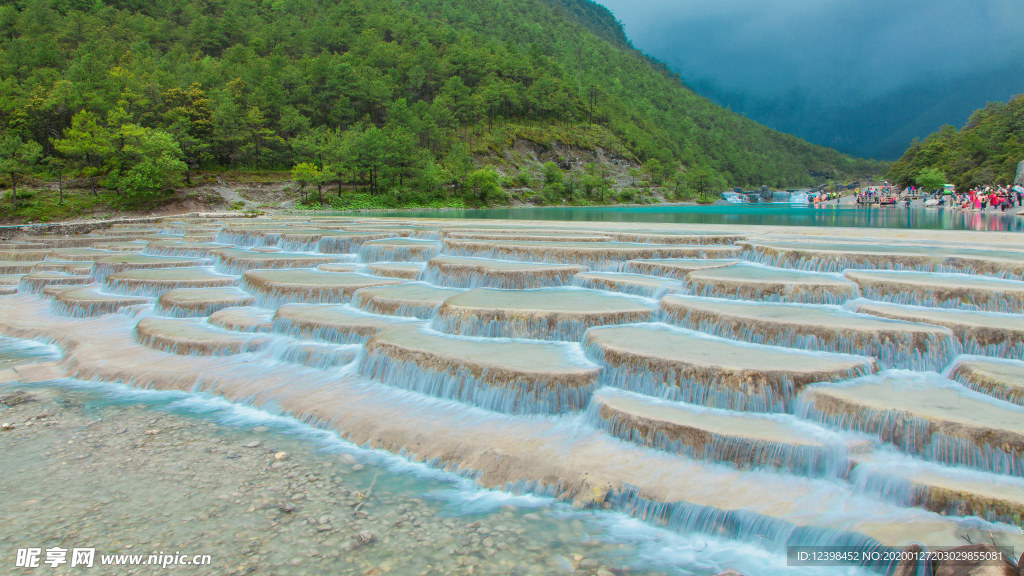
x=775 y=385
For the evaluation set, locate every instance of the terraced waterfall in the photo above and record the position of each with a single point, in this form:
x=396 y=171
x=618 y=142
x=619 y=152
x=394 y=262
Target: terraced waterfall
x=776 y=387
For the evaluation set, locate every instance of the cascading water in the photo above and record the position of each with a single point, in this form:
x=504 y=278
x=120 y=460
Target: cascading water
x=772 y=413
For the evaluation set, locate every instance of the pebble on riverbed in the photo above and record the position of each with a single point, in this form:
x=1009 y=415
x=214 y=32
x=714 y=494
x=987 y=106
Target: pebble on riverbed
x=101 y=477
x=16 y=398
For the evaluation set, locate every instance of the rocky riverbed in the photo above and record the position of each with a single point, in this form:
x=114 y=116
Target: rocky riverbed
x=150 y=472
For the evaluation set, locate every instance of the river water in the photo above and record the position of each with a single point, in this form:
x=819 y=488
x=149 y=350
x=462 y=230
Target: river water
x=128 y=471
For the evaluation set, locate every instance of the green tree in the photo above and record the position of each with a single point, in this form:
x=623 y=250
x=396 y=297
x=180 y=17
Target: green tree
x=483 y=184
x=931 y=179
x=17 y=158
x=305 y=174
x=701 y=181
x=552 y=174
x=189 y=119
x=58 y=164
x=88 y=144
x=149 y=162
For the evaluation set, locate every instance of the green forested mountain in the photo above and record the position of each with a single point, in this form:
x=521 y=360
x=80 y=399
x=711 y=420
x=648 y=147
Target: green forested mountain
x=402 y=99
x=982 y=153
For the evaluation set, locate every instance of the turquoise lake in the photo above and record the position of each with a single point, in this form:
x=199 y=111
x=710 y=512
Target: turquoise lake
x=764 y=214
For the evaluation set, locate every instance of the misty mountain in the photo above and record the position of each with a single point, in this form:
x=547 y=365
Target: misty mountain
x=865 y=77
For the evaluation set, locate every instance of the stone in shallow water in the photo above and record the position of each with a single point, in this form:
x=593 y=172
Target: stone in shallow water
x=676 y=267
x=981 y=333
x=186 y=302
x=744 y=440
x=924 y=413
x=635 y=284
x=243 y=319
x=187 y=337
x=157 y=281
x=942 y=290
x=418 y=300
x=748 y=282
x=598 y=254
x=236 y=261
x=1003 y=379
x=541 y=313
x=398 y=249
x=310 y=285
x=89 y=301
x=332 y=323
x=892 y=342
x=404 y=270
x=661 y=360
x=513 y=376
x=466 y=272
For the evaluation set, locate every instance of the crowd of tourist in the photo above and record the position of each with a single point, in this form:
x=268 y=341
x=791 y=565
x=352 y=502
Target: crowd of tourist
x=977 y=199
x=984 y=197
x=822 y=196
x=883 y=195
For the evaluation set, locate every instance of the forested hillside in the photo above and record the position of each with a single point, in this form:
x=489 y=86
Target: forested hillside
x=402 y=100
x=984 y=152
